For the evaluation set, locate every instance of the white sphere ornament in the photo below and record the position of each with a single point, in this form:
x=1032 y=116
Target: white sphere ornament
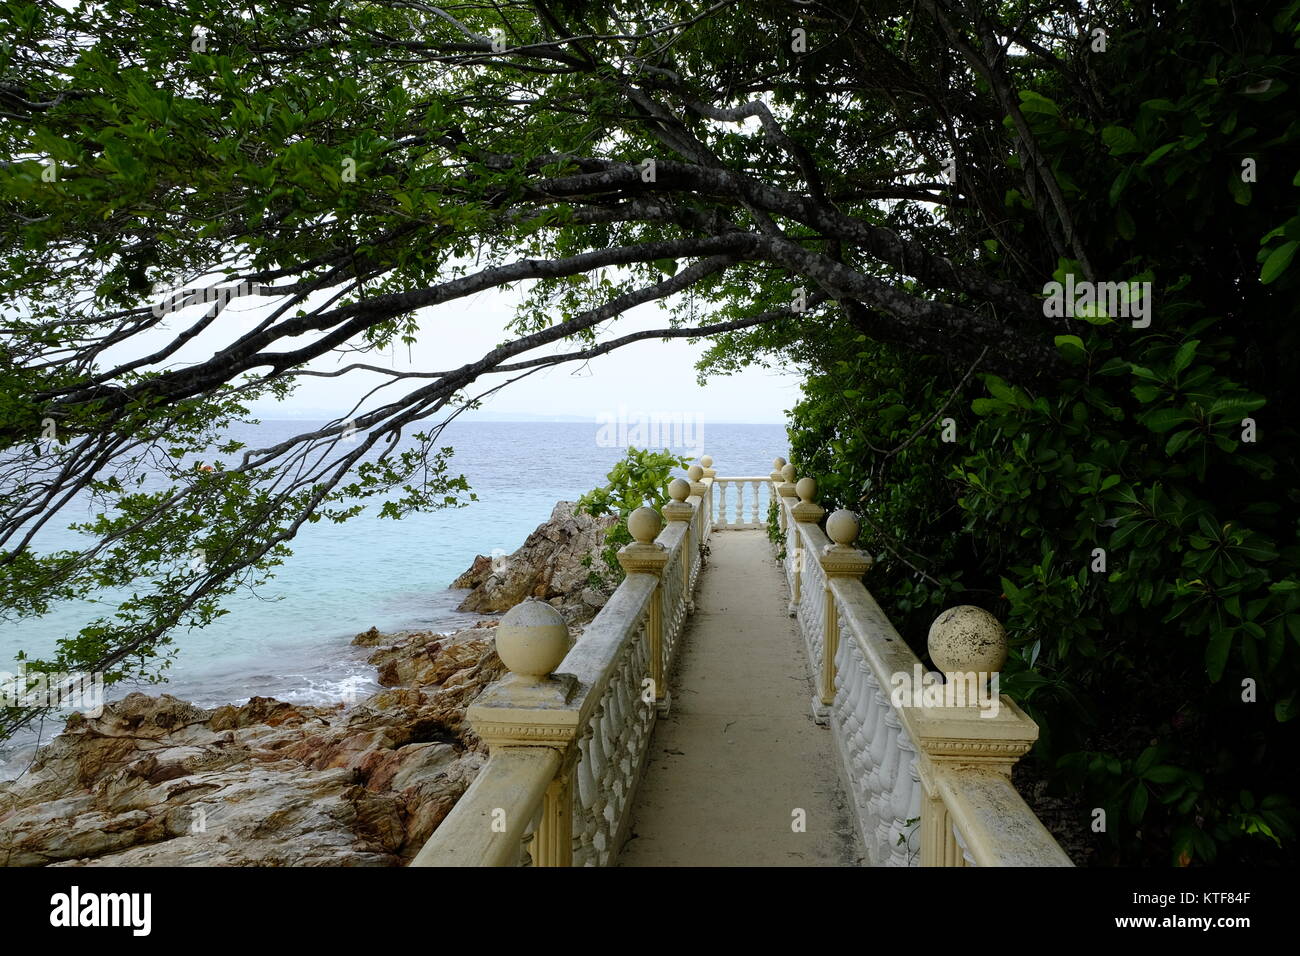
x=679 y=489
x=706 y=461
x=695 y=473
x=842 y=527
x=787 y=472
x=806 y=489
x=778 y=463
x=532 y=639
x=645 y=524
x=967 y=639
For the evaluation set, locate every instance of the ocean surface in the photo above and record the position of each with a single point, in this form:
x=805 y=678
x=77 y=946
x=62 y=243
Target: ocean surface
x=291 y=640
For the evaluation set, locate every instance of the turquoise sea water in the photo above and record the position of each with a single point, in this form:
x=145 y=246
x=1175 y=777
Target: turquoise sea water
x=292 y=639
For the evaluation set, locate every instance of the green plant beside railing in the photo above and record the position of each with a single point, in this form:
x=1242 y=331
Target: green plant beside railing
x=639 y=479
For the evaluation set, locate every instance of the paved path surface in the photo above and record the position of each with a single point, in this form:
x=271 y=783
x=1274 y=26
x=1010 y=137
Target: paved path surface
x=739 y=753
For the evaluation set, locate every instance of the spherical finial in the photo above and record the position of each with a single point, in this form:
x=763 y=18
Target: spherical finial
x=778 y=463
x=532 y=639
x=679 y=489
x=842 y=527
x=806 y=489
x=645 y=525
x=706 y=461
x=967 y=639
x=695 y=473
x=787 y=472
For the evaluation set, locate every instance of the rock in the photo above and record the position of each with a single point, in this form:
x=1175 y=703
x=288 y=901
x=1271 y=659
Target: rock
x=476 y=574
x=156 y=781
x=549 y=565
x=368 y=638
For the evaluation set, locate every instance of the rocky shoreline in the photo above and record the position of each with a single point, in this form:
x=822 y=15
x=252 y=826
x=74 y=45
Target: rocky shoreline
x=157 y=781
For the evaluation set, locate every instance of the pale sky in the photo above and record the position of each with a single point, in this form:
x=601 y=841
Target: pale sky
x=646 y=377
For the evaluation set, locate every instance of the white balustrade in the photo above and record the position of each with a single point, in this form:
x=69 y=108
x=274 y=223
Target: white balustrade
x=906 y=766
x=749 y=505
x=568 y=733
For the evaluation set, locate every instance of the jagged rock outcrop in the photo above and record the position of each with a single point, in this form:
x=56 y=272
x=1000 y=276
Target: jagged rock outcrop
x=156 y=781
x=549 y=565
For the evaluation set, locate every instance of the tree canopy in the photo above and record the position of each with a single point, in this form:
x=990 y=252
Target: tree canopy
x=877 y=193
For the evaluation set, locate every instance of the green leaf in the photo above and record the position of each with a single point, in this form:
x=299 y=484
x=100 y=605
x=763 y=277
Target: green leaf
x=1124 y=224
x=1031 y=102
x=1240 y=190
x=1137 y=804
x=1119 y=140
x=1177 y=441
x=1156 y=153
x=1277 y=262
x=1162 y=420
x=1163 y=773
x=1216 y=652
x=1183 y=358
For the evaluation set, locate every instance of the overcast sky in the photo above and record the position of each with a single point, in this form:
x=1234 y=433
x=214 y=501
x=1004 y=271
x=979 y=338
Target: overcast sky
x=644 y=378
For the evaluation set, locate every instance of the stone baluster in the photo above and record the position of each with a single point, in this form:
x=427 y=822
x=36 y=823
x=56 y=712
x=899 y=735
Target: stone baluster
x=904 y=805
x=865 y=722
x=647 y=556
x=722 y=522
x=882 y=800
x=584 y=851
x=972 y=725
x=525 y=709
x=840 y=560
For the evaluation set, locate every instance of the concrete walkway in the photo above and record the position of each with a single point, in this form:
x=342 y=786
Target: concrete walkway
x=739 y=754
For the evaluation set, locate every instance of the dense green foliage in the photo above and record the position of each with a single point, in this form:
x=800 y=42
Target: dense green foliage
x=1135 y=521
x=639 y=480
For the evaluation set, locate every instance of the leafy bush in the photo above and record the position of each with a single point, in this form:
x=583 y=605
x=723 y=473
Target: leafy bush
x=640 y=479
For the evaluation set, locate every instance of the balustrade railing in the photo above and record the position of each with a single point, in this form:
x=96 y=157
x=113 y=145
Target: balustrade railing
x=926 y=758
x=742 y=503
x=568 y=729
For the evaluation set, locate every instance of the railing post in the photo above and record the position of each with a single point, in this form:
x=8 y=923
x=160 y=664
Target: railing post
x=777 y=464
x=527 y=708
x=841 y=559
x=964 y=722
x=679 y=510
x=786 y=490
x=706 y=462
x=646 y=556
x=695 y=474
x=553 y=841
